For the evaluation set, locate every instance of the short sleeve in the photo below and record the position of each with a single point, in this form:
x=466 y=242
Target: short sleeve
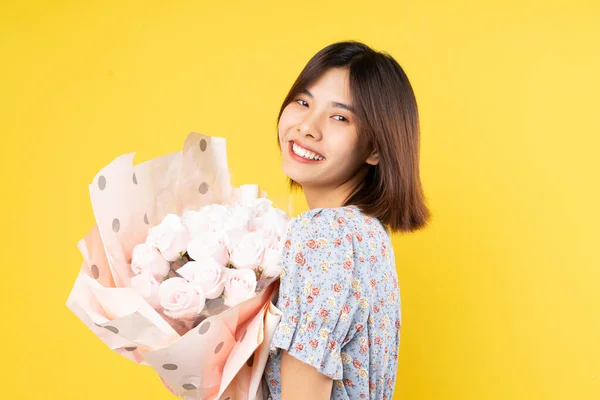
x=317 y=295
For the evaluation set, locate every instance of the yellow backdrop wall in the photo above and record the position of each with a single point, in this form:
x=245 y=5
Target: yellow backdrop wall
x=500 y=294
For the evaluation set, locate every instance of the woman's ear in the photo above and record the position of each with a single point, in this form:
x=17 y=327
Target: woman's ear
x=373 y=158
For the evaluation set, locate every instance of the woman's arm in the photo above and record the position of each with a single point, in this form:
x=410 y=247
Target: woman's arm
x=300 y=381
x=317 y=300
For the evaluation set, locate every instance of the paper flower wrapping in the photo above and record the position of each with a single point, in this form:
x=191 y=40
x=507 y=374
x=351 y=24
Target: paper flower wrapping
x=180 y=270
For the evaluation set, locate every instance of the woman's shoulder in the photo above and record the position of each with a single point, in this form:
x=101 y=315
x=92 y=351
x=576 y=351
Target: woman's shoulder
x=348 y=224
x=336 y=219
x=340 y=232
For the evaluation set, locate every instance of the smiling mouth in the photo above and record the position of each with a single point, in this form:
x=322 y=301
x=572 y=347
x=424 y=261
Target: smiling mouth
x=306 y=154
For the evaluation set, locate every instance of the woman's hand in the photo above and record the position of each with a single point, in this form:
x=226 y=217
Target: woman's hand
x=302 y=381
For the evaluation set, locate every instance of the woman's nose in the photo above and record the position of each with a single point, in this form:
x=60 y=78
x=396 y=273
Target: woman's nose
x=310 y=128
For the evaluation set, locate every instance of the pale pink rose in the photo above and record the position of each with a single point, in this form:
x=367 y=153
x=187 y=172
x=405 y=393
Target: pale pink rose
x=239 y=286
x=180 y=299
x=195 y=222
x=206 y=274
x=260 y=206
x=272 y=222
x=147 y=287
x=146 y=258
x=210 y=218
x=209 y=245
x=233 y=238
x=239 y=218
x=170 y=237
x=272 y=242
x=271 y=265
x=249 y=252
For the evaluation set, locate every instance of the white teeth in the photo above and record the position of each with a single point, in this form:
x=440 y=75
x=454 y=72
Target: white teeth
x=305 y=153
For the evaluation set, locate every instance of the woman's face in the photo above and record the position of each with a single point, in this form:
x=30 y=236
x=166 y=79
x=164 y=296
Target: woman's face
x=319 y=141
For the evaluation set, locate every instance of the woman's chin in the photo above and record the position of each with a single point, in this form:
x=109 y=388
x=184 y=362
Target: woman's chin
x=293 y=174
x=303 y=175
x=297 y=179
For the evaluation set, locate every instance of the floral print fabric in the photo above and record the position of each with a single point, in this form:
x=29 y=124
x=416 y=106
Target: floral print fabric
x=340 y=300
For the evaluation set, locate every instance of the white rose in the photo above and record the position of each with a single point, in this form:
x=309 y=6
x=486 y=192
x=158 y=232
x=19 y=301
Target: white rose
x=209 y=218
x=146 y=258
x=239 y=286
x=147 y=287
x=180 y=299
x=249 y=252
x=271 y=265
x=170 y=237
x=195 y=222
x=272 y=242
x=238 y=219
x=273 y=222
x=206 y=274
x=260 y=206
x=209 y=244
x=233 y=237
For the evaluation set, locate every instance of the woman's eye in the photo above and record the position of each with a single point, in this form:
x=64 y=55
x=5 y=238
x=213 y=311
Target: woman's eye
x=302 y=103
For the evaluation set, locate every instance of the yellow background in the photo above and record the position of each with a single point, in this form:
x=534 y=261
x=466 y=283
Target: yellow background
x=500 y=294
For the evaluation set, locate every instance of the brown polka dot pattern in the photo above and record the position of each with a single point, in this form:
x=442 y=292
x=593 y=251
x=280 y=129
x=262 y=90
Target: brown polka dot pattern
x=111 y=328
x=219 y=347
x=203 y=189
x=204 y=327
x=95 y=271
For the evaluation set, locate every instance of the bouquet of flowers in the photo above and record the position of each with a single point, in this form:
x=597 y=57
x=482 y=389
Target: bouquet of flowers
x=180 y=269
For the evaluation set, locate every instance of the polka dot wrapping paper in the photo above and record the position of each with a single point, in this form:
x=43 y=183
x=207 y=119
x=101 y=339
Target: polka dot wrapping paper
x=223 y=357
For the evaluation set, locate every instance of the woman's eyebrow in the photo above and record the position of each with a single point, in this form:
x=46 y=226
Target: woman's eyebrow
x=333 y=103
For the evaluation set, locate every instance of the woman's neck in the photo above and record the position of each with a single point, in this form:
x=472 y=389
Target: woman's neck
x=332 y=197
x=323 y=199
x=320 y=197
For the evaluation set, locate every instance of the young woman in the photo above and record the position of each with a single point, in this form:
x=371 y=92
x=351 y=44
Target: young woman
x=349 y=137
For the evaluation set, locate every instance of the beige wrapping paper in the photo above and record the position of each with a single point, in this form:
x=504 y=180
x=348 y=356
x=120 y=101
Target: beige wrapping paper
x=225 y=355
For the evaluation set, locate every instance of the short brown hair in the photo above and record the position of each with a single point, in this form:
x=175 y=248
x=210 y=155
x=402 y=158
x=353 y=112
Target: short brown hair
x=387 y=116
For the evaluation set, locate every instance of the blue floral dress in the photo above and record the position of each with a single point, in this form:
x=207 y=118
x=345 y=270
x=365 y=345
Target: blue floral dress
x=340 y=300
